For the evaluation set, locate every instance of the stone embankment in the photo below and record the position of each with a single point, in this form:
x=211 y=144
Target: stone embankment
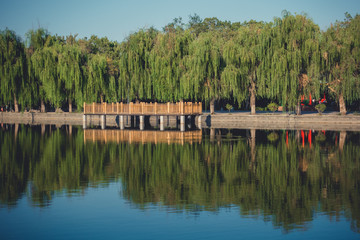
x=308 y=120
x=241 y=120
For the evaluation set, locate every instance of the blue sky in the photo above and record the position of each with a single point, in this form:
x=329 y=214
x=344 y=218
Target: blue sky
x=117 y=19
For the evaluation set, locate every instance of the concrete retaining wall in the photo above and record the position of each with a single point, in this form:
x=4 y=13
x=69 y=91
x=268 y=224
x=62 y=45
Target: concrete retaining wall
x=313 y=121
x=332 y=121
x=71 y=119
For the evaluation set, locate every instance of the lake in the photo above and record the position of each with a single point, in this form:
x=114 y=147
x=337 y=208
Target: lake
x=69 y=183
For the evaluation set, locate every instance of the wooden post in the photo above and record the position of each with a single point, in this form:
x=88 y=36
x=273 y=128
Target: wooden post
x=84 y=121
x=121 y=107
x=142 y=122
x=155 y=108
x=182 y=123
x=103 y=121
x=117 y=108
x=112 y=108
x=161 y=123
x=93 y=108
x=142 y=108
x=199 y=121
x=105 y=107
x=168 y=107
x=121 y=122
x=130 y=107
x=84 y=107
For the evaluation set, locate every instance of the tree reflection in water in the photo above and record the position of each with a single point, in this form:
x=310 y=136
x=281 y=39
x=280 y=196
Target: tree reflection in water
x=286 y=177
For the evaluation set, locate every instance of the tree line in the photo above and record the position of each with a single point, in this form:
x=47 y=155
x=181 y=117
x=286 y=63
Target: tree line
x=204 y=60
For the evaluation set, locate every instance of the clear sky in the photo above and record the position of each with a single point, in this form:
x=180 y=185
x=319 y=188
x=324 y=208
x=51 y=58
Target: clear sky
x=117 y=19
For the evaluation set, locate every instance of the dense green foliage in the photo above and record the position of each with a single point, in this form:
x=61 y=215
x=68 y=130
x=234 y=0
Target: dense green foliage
x=320 y=108
x=322 y=177
x=12 y=67
x=204 y=60
x=272 y=107
x=341 y=60
x=295 y=59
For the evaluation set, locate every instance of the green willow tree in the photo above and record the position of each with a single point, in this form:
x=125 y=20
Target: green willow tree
x=124 y=75
x=70 y=72
x=232 y=81
x=341 y=60
x=137 y=61
x=204 y=67
x=12 y=68
x=244 y=55
x=295 y=60
x=36 y=41
x=111 y=51
x=45 y=62
x=97 y=79
x=168 y=65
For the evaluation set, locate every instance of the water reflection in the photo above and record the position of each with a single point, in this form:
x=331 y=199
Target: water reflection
x=286 y=177
x=137 y=136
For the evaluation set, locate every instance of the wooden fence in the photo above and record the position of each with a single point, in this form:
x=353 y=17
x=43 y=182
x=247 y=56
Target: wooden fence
x=142 y=108
x=135 y=136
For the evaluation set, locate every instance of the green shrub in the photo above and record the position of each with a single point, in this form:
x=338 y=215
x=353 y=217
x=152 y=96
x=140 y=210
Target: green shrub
x=320 y=108
x=261 y=108
x=272 y=107
x=229 y=107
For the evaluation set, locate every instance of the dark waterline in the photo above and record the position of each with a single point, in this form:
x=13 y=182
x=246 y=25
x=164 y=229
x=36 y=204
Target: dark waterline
x=223 y=183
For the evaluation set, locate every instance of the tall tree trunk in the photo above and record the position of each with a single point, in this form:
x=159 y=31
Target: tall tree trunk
x=212 y=106
x=252 y=98
x=16 y=105
x=70 y=105
x=342 y=104
x=42 y=107
x=298 y=108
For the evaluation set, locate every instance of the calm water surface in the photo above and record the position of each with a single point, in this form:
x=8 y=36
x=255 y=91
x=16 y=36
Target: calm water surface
x=67 y=183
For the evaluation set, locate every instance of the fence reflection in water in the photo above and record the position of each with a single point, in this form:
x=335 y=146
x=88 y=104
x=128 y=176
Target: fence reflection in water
x=135 y=136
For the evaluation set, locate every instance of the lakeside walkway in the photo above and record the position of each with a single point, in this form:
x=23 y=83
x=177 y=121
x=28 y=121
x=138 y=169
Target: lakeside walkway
x=239 y=119
x=281 y=120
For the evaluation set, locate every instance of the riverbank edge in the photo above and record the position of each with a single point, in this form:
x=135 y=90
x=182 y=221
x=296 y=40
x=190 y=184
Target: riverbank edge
x=308 y=121
x=327 y=121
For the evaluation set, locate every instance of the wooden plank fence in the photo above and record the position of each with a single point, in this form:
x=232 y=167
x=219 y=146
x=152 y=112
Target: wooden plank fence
x=135 y=136
x=142 y=108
